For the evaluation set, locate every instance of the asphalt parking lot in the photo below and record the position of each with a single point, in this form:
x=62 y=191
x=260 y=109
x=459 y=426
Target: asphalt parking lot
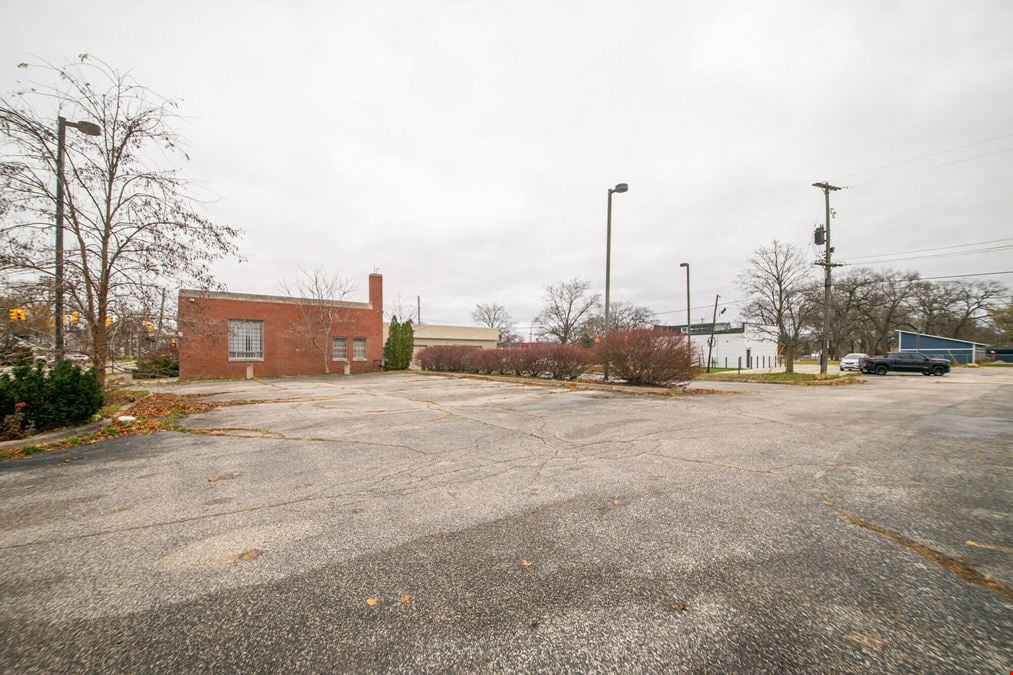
x=422 y=523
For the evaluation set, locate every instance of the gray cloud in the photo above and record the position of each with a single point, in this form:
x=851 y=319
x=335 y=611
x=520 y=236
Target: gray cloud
x=465 y=148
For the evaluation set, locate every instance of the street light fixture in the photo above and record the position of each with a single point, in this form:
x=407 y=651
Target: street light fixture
x=620 y=187
x=90 y=129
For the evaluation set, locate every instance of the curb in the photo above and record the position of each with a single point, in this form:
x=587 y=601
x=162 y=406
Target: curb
x=590 y=386
x=63 y=434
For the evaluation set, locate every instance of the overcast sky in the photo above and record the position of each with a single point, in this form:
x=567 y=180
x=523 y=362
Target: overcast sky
x=464 y=149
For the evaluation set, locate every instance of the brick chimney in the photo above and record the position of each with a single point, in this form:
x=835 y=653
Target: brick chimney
x=376 y=291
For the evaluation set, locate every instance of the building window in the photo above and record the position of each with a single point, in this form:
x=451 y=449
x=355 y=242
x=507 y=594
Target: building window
x=246 y=340
x=339 y=351
x=359 y=349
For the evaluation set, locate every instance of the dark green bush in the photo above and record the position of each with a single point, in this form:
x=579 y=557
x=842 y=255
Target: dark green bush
x=397 y=351
x=62 y=396
x=161 y=363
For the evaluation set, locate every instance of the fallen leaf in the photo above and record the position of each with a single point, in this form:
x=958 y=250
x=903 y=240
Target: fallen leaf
x=371 y=602
x=679 y=607
x=213 y=479
x=249 y=555
x=534 y=623
x=405 y=599
x=237 y=472
x=615 y=502
x=526 y=563
x=868 y=641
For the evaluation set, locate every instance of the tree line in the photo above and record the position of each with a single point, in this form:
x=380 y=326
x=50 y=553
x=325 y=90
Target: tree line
x=571 y=314
x=867 y=306
x=785 y=293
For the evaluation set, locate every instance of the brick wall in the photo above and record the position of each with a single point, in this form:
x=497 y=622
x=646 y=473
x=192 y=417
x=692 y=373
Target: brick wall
x=288 y=349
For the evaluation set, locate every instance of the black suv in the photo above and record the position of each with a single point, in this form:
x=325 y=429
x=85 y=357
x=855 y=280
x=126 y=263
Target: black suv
x=905 y=362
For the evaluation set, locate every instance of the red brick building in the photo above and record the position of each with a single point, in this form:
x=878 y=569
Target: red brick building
x=236 y=335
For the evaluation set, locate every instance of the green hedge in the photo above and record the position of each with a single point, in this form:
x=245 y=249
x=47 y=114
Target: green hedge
x=161 y=363
x=36 y=399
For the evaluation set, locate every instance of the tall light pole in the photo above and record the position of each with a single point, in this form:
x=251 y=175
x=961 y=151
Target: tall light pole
x=90 y=129
x=689 y=324
x=827 y=266
x=620 y=187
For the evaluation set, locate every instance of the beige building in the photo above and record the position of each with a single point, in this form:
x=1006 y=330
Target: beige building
x=430 y=335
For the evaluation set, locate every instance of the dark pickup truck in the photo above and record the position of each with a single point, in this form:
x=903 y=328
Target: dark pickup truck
x=905 y=362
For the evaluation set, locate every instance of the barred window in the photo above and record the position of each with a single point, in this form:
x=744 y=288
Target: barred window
x=246 y=340
x=339 y=352
x=359 y=349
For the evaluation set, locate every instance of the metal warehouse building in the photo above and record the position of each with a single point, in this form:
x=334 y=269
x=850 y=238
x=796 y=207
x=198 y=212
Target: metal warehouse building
x=961 y=351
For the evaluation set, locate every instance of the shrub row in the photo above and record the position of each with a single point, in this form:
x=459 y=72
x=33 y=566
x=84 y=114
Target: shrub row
x=638 y=356
x=34 y=399
x=561 y=362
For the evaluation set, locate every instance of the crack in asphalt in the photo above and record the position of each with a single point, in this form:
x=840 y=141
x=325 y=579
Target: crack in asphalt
x=419 y=478
x=958 y=567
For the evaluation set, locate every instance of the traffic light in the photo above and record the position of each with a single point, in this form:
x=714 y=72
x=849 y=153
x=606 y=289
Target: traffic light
x=74 y=317
x=109 y=321
x=17 y=314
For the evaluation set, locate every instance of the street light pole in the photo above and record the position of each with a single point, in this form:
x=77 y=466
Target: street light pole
x=61 y=136
x=620 y=187
x=689 y=323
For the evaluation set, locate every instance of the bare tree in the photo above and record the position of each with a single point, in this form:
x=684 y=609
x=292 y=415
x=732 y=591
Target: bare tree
x=622 y=316
x=321 y=298
x=1000 y=316
x=778 y=279
x=568 y=306
x=972 y=301
x=495 y=315
x=400 y=308
x=131 y=226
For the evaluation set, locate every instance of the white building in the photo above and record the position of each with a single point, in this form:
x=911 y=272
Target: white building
x=754 y=344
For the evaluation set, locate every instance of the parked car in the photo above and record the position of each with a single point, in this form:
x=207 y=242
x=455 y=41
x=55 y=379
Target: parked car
x=905 y=362
x=853 y=361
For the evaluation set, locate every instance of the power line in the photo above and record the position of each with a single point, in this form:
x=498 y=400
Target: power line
x=933 y=256
x=931 y=154
x=937 y=248
x=928 y=168
x=683 y=309
x=961 y=276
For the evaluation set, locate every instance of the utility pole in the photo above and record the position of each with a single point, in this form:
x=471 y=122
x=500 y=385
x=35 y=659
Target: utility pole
x=710 y=340
x=418 y=309
x=827 y=266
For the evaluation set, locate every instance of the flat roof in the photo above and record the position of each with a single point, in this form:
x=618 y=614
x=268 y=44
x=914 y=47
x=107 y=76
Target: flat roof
x=433 y=331
x=279 y=299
